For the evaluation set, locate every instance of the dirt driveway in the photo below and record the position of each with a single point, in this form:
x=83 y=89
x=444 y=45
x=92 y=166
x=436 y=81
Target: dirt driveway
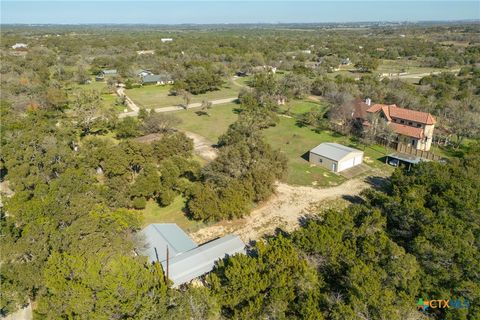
x=283 y=210
x=202 y=146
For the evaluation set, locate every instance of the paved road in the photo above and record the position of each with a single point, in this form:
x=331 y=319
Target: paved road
x=130 y=104
x=418 y=75
x=136 y=109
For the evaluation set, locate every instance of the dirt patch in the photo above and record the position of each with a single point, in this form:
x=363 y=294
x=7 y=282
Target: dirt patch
x=283 y=210
x=202 y=146
x=149 y=138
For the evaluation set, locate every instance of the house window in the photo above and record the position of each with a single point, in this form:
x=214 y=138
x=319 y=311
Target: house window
x=320 y=160
x=419 y=125
x=413 y=142
x=410 y=123
x=402 y=122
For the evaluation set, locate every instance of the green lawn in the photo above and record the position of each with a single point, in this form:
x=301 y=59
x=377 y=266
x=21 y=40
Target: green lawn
x=108 y=99
x=210 y=126
x=173 y=213
x=158 y=96
x=291 y=139
x=302 y=106
x=295 y=142
x=403 y=65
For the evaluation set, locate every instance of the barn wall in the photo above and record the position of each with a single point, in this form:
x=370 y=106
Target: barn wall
x=326 y=163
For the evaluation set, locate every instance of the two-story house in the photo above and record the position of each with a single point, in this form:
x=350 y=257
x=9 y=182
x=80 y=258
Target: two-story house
x=414 y=128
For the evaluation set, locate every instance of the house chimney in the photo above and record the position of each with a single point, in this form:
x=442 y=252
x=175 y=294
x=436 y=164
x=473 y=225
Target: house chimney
x=368 y=101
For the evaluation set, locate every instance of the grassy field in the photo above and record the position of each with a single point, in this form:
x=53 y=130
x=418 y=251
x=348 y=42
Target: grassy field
x=173 y=213
x=292 y=140
x=412 y=67
x=210 y=126
x=108 y=99
x=402 y=65
x=298 y=107
x=158 y=96
x=295 y=142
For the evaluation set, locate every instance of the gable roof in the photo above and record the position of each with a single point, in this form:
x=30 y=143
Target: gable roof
x=109 y=71
x=334 y=151
x=161 y=235
x=201 y=260
x=156 y=78
x=407 y=130
x=401 y=113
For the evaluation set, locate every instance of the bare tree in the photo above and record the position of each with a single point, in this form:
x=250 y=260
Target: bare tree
x=159 y=122
x=206 y=105
x=342 y=116
x=186 y=96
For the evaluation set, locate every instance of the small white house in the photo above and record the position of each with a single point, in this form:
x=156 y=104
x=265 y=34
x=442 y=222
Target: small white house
x=166 y=40
x=19 y=46
x=335 y=157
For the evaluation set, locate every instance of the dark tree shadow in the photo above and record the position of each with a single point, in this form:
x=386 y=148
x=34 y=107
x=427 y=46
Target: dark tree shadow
x=353 y=199
x=306 y=156
x=300 y=123
x=303 y=220
x=379 y=183
x=201 y=113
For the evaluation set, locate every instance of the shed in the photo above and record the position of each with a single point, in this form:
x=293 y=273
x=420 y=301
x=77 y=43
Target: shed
x=335 y=157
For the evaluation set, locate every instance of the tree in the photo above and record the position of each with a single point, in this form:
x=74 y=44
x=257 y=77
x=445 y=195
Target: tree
x=127 y=128
x=90 y=115
x=81 y=75
x=159 y=123
x=206 y=105
x=366 y=64
x=56 y=98
x=273 y=282
x=186 y=96
x=102 y=287
x=295 y=86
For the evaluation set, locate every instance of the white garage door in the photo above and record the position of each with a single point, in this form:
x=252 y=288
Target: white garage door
x=357 y=160
x=345 y=164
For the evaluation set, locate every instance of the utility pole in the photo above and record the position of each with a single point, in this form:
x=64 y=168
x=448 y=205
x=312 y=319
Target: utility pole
x=168 y=262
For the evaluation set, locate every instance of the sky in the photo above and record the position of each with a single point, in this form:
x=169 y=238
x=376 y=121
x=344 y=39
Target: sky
x=228 y=11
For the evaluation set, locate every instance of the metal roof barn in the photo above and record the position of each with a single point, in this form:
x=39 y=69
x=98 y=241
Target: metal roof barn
x=192 y=264
x=333 y=151
x=187 y=260
x=335 y=157
x=160 y=235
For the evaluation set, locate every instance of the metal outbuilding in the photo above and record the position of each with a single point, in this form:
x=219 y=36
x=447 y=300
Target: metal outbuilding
x=159 y=236
x=192 y=264
x=185 y=260
x=335 y=157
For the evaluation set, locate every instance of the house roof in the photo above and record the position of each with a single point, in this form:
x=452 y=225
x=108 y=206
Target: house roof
x=401 y=113
x=109 y=71
x=138 y=71
x=360 y=109
x=407 y=130
x=161 y=235
x=334 y=151
x=201 y=260
x=156 y=78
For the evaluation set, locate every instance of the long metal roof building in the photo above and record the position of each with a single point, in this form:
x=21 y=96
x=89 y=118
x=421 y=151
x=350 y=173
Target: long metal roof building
x=201 y=260
x=160 y=235
x=187 y=261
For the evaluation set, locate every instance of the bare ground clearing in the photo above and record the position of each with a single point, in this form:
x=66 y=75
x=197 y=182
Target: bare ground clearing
x=283 y=210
